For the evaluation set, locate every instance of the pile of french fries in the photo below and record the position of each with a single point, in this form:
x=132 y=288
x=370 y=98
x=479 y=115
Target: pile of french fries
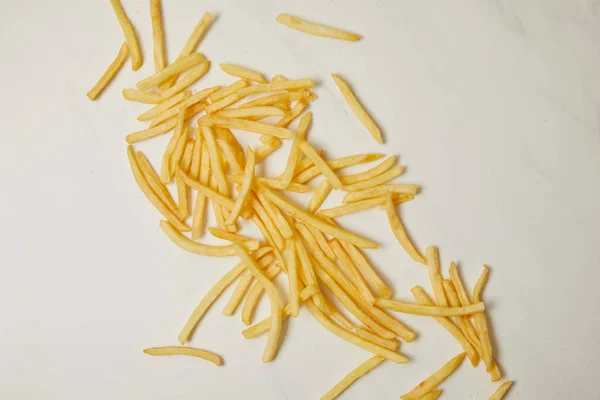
x=321 y=260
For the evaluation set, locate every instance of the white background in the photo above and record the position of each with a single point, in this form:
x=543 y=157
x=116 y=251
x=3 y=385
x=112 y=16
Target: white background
x=493 y=106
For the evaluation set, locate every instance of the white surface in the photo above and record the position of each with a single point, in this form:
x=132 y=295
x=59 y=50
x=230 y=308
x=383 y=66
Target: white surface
x=494 y=107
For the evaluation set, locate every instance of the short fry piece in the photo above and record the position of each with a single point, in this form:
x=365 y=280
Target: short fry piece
x=290 y=258
x=321 y=165
x=110 y=72
x=501 y=391
x=129 y=32
x=316 y=29
x=400 y=232
x=352 y=377
x=184 y=351
x=319 y=196
x=244 y=73
x=434 y=380
x=429 y=311
x=358 y=109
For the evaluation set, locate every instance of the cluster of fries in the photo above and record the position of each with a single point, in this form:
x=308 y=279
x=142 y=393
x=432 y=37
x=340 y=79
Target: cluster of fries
x=320 y=259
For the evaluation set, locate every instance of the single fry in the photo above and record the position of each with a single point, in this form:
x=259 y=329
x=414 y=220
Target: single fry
x=433 y=267
x=182 y=197
x=247 y=112
x=180 y=133
x=158 y=36
x=255 y=293
x=193 y=101
x=290 y=257
x=155 y=184
x=336 y=164
x=164 y=106
x=245 y=189
x=381 y=190
x=316 y=29
x=366 y=270
x=352 y=377
x=501 y=391
x=400 y=232
x=110 y=72
x=215 y=160
x=352 y=207
x=352 y=271
x=223 y=103
x=176 y=68
x=481 y=324
x=291 y=115
x=378 y=180
x=294 y=157
x=323 y=167
x=249 y=126
x=191 y=77
x=435 y=379
x=322 y=242
x=429 y=311
x=151 y=196
x=319 y=196
x=276 y=216
x=276 y=98
x=305 y=83
x=184 y=351
x=142 y=97
x=358 y=108
x=366 y=334
x=228 y=90
x=268 y=148
x=230 y=237
x=433 y=395
x=129 y=32
x=370 y=173
x=463 y=296
x=200 y=202
x=480 y=284
x=243 y=73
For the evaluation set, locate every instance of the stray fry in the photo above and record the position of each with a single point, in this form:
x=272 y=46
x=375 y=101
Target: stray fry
x=321 y=165
x=379 y=179
x=352 y=207
x=246 y=112
x=501 y=391
x=243 y=73
x=352 y=377
x=110 y=73
x=142 y=97
x=429 y=311
x=129 y=32
x=434 y=380
x=164 y=106
x=319 y=197
x=400 y=232
x=158 y=35
x=245 y=190
x=184 y=351
x=316 y=29
x=176 y=68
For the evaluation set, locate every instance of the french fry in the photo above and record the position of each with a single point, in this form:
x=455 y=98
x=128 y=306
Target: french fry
x=366 y=334
x=228 y=90
x=352 y=271
x=196 y=161
x=501 y=391
x=319 y=196
x=290 y=257
x=273 y=232
x=188 y=79
x=370 y=173
x=305 y=83
x=400 y=232
x=323 y=167
x=276 y=98
x=307 y=270
x=223 y=103
x=200 y=202
x=435 y=379
x=155 y=184
x=184 y=351
x=245 y=190
x=336 y=165
x=358 y=108
x=248 y=126
x=142 y=97
x=158 y=35
x=174 y=161
x=463 y=296
x=481 y=324
x=151 y=196
x=248 y=112
x=243 y=73
x=191 y=103
x=176 y=68
x=294 y=157
x=433 y=395
x=352 y=377
x=366 y=270
x=433 y=268
x=429 y=311
x=164 y=106
x=352 y=207
x=110 y=72
x=316 y=29
x=268 y=148
x=291 y=115
x=129 y=32
x=322 y=242
x=182 y=197
x=215 y=160
x=378 y=180
x=381 y=190
x=230 y=237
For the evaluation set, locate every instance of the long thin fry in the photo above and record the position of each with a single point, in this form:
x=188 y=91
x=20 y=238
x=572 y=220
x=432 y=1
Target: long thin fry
x=228 y=90
x=247 y=112
x=129 y=32
x=366 y=334
x=352 y=271
x=215 y=160
x=142 y=97
x=381 y=190
x=291 y=115
x=366 y=270
x=245 y=190
x=433 y=267
x=352 y=207
x=268 y=148
x=377 y=180
x=429 y=311
x=155 y=184
x=316 y=29
x=200 y=202
x=463 y=296
x=278 y=219
x=337 y=164
x=164 y=106
x=352 y=377
x=184 y=351
x=248 y=126
x=158 y=36
x=290 y=257
x=244 y=73
x=400 y=232
x=176 y=68
x=370 y=173
x=149 y=193
x=481 y=324
x=230 y=237
x=358 y=108
x=322 y=242
x=501 y=391
x=110 y=72
x=188 y=79
x=223 y=103
x=294 y=157
x=325 y=169
x=435 y=379
x=305 y=83
x=276 y=98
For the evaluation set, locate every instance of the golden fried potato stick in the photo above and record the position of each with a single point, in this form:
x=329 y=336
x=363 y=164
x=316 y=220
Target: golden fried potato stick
x=352 y=338
x=433 y=395
x=358 y=108
x=248 y=112
x=223 y=103
x=400 y=232
x=129 y=32
x=276 y=216
x=435 y=379
x=276 y=98
x=164 y=106
x=268 y=148
x=501 y=391
x=352 y=377
x=110 y=73
x=481 y=324
x=319 y=196
x=429 y=311
x=228 y=90
x=230 y=237
x=352 y=271
x=214 y=293
x=316 y=29
x=200 y=202
x=322 y=242
x=291 y=115
x=366 y=334
x=187 y=103
x=255 y=293
x=245 y=189
x=151 y=196
x=155 y=184
x=294 y=294
x=158 y=35
x=305 y=83
x=311 y=220
x=376 y=181
x=463 y=296
x=265 y=224
x=276 y=317
x=307 y=270
x=294 y=157
x=337 y=164
x=366 y=270
x=321 y=165
x=196 y=161
x=190 y=78
x=380 y=190
x=176 y=68
x=273 y=184
x=184 y=351
x=352 y=207
x=163 y=127
x=370 y=173
x=142 y=97
x=432 y=255
x=243 y=73
x=182 y=197
x=248 y=126
x=191 y=44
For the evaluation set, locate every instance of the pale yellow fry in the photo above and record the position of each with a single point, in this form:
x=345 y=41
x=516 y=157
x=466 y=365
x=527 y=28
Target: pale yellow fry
x=398 y=199
x=376 y=181
x=323 y=167
x=380 y=190
x=276 y=317
x=269 y=226
x=287 y=119
x=228 y=90
x=319 y=196
x=215 y=160
x=294 y=157
x=268 y=148
x=435 y=379
x=175 y=159
x=307 y=271
x=433 y=395
x=294 y=295
x=366 y=334
x=352 y=377
x=433 y=267
x=129 y=32
x=358 y=108
x=370 y=173
x=196 y=162
x=185 y=82
x=217 y=209
x=200 y=203
x=246 y=112
x=155 y=184
x=248 y=126
x=243 y=73
x=213 y=294
x=322 y=242
x=501 y=391
x=321 y=225
x=352 y=207
x=188 y=103
x=163 y=127
x=337 y=164
x=463 y=323
x=190 y=45
x=479 y=285
x=280 y=222
x=178 y=134
x=316 y=29
x=422 y=298
x=429 y=311
x=110 y=72
x=230 y=237
x=352 y=271
x=400 y=232
x=463 y=296
x=481 y=324
x=352 y=338
x=182 y=197
x=151 y=196
x=158 y=35
x=142 y=97
x=245 y=189
x=164 y=106
x=236 y=149
x=176 y=68
x=276 y=98
x=366 y=270
x=184 y=351
x=305 y=83
x=223 y=103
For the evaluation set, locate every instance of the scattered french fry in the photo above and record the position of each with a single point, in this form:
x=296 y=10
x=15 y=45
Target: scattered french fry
x=400 y=232
x=381 y=190
x=130 y=36
x=501 y=391
x=243 y=73
x=316 y=29
x=352 y=377
x=434 y=380
x=184 y=351
x=110 y=73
